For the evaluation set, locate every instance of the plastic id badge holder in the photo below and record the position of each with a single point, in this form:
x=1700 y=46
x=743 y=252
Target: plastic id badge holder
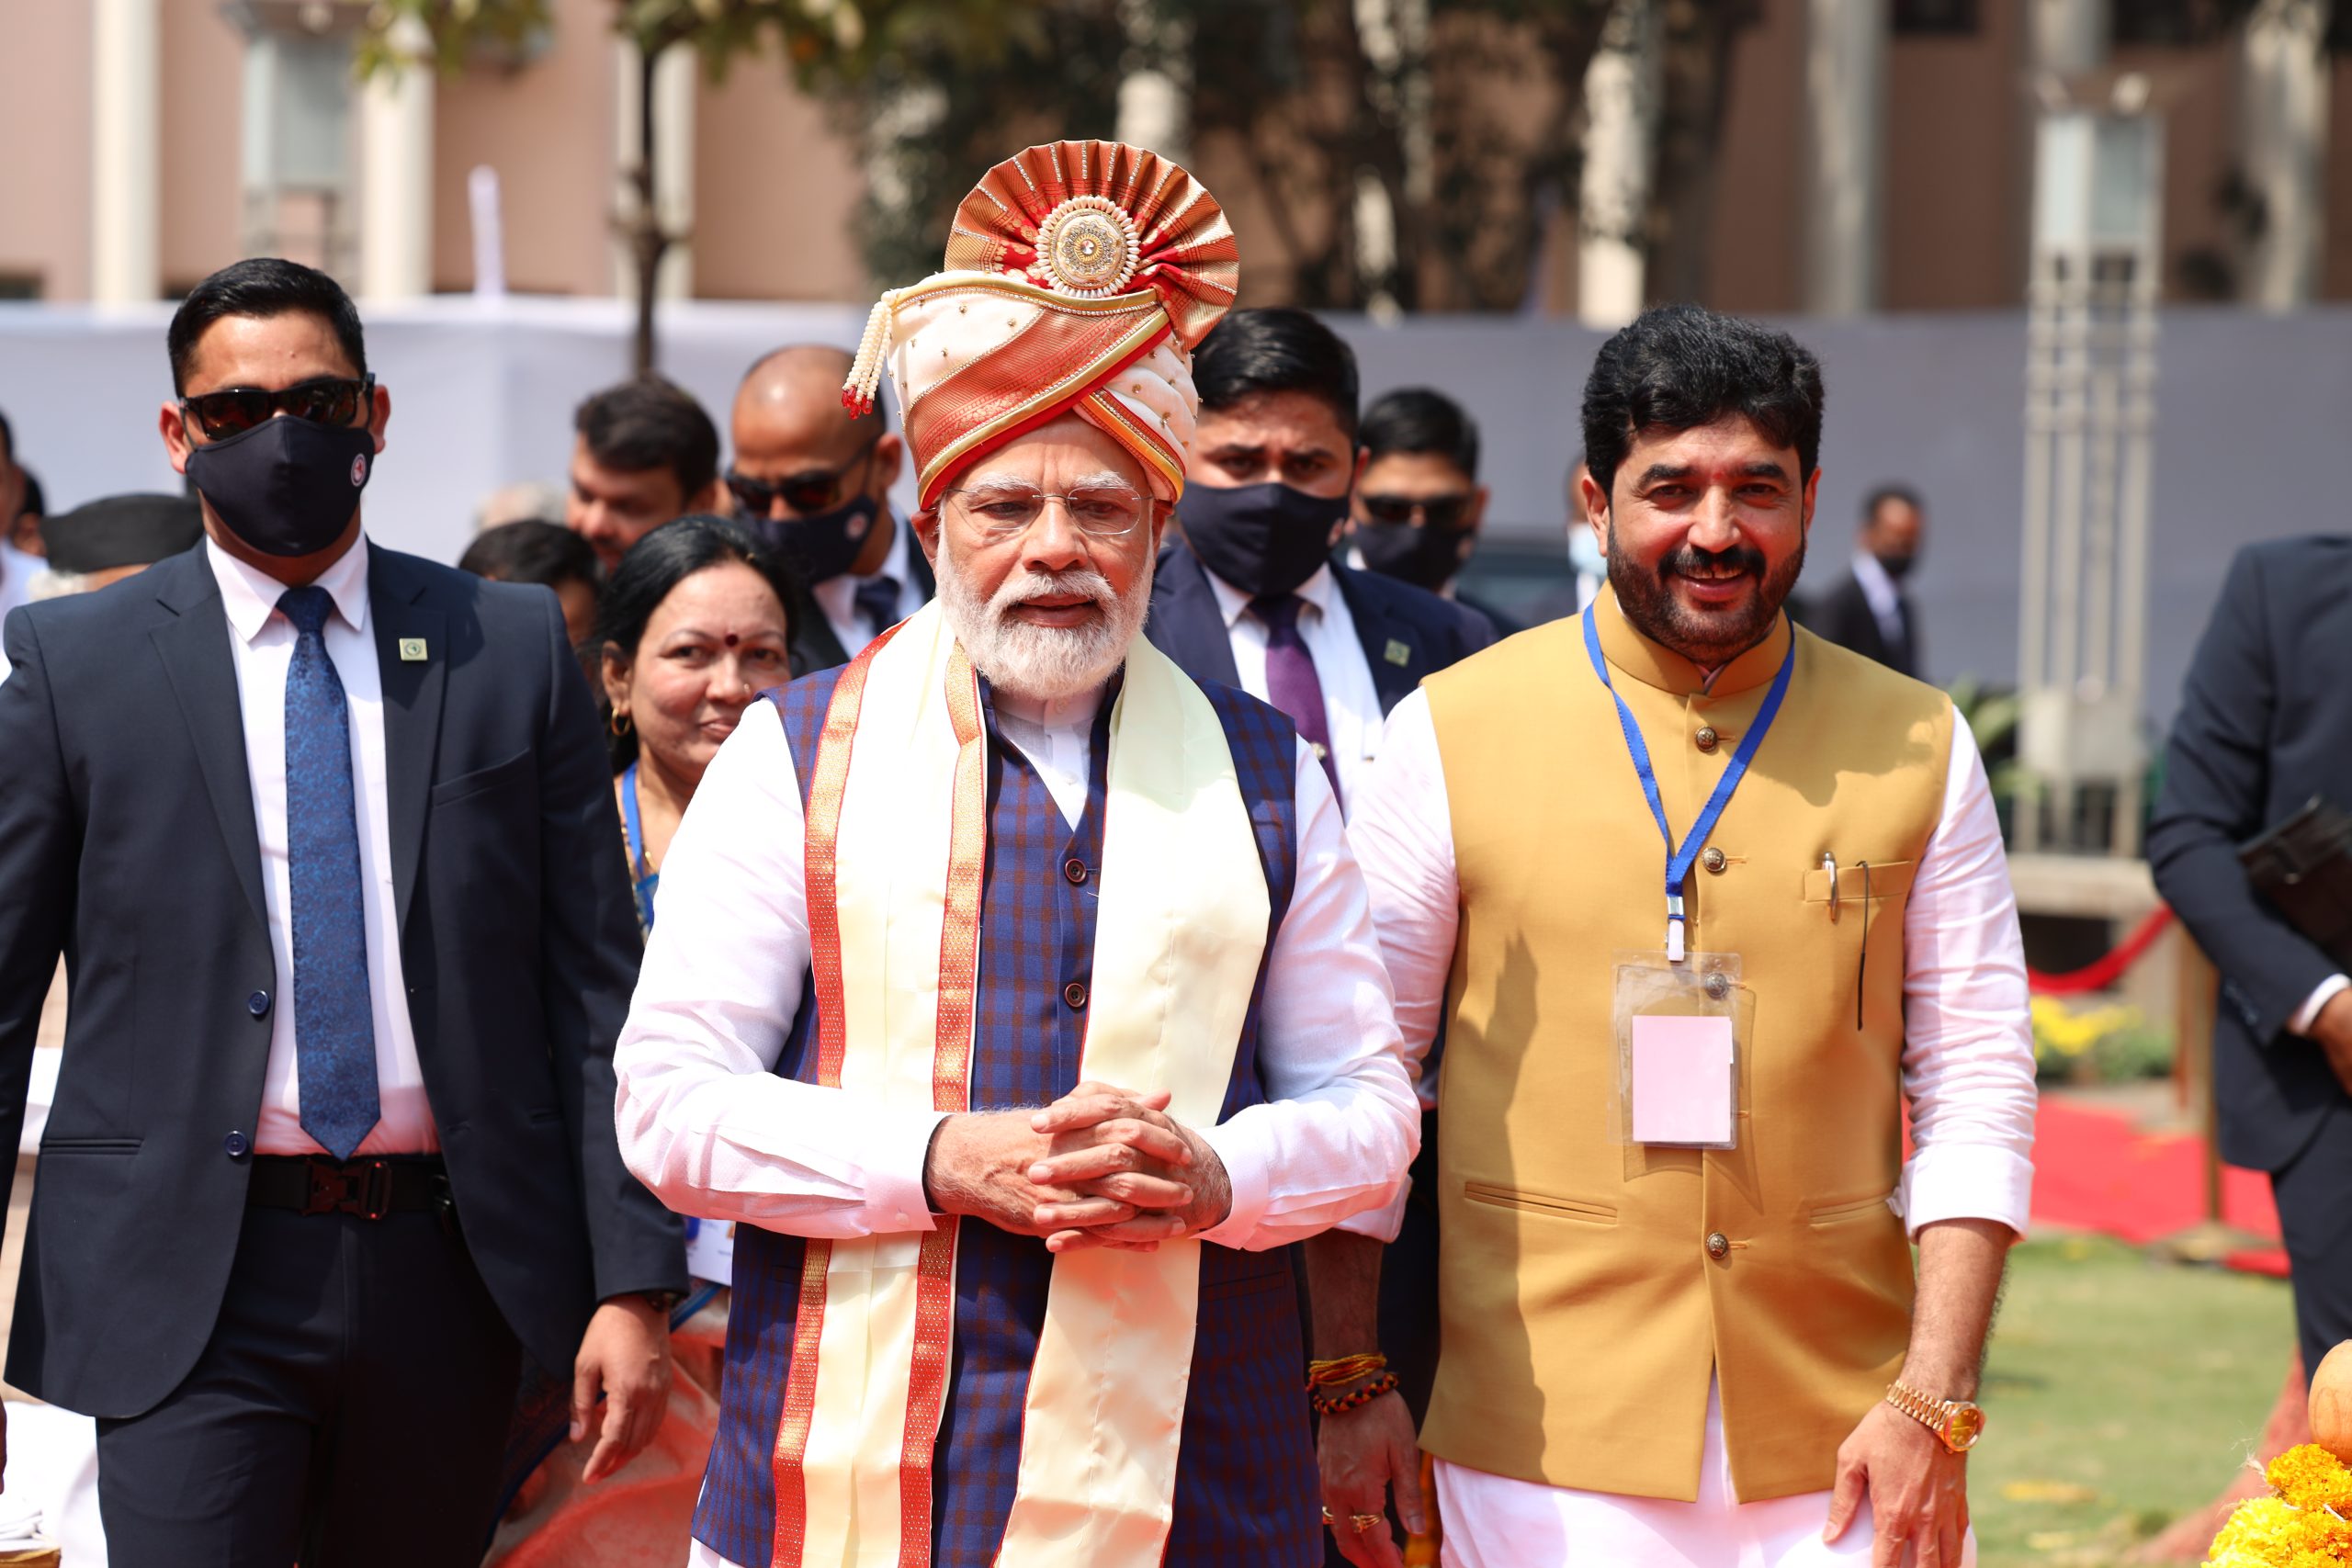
x=1680 y=1030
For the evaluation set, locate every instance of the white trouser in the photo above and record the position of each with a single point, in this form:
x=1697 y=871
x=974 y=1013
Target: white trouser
x=1492 y=1521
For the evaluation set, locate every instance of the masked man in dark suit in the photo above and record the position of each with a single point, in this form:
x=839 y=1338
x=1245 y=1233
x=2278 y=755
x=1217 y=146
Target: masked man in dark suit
x=1251 y=596
x=325 y=835
x=2266 y=725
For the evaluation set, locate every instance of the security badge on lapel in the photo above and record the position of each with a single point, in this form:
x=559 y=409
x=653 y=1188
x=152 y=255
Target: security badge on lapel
x=412 y=651
x=1680 y=1018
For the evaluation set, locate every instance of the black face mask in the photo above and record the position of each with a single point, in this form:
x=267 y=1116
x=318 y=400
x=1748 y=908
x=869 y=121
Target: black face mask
x=1897 y=567
x=1426 y=557
x=286 y=487
x=824 y=545
x=1263 y=539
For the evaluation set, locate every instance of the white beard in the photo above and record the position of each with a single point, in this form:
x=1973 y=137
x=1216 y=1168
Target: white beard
x=1042 y=664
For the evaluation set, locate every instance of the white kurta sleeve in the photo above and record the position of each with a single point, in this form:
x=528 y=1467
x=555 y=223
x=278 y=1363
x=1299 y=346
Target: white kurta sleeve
x=1968 y=1036
x=1339 y=1126
x=1402 y=834
x=704 y=1121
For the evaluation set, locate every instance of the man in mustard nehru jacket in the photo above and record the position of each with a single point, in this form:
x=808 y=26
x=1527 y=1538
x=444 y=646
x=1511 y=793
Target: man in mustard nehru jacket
x=1700 y=901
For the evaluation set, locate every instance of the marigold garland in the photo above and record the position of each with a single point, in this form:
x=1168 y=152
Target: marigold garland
x=2308 y=1523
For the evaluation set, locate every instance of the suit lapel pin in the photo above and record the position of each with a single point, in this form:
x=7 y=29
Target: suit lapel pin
x=411 y=650
x=1399 y=653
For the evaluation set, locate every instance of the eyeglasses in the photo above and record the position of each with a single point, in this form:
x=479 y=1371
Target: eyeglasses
x=1438 y=510
x=323 y=400
x=816 y=491
x=1098 y=511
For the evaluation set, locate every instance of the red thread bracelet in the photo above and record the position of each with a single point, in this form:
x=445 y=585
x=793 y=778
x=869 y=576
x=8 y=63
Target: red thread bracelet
x=1384 y=1383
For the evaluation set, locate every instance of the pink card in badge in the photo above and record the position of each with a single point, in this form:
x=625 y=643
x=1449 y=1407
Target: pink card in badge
x=1681 y=1088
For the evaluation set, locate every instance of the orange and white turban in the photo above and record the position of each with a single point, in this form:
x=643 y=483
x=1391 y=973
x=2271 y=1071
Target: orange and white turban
x=1079 y=277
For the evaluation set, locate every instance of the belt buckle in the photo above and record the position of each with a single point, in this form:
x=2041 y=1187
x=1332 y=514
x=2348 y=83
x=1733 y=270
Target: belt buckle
x=371 y=1193
x=363 y=1187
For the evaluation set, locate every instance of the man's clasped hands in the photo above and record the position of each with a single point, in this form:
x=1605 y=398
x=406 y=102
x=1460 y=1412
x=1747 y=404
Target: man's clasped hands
x=1100 y=1166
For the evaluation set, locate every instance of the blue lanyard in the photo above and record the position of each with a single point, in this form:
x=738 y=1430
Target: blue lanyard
x=1679 y=861
x=641 y=883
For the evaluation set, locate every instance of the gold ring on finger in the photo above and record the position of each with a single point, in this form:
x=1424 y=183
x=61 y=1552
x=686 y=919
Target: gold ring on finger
x=1365 y=1522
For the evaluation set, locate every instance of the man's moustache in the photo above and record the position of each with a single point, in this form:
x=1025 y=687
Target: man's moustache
x=1705 y=564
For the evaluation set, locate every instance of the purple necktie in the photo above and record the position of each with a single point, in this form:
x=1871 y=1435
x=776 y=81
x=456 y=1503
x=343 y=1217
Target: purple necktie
x=1291 y=682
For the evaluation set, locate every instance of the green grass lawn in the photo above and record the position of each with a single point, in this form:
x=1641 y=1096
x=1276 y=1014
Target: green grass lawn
x=2120 y=1392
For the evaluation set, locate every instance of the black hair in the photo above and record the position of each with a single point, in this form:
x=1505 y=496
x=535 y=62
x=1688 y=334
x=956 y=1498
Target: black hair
x=1275 y=350
x=651 y=424
x=532 y=551
x=8 y=438
x=1417 y=422
x=1680 y=367
x=36 y=498
x=262 y=286
x=1885 y=493
x=652 y=570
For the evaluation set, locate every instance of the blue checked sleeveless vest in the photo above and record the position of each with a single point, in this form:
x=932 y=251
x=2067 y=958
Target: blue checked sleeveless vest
x=1244 y=1486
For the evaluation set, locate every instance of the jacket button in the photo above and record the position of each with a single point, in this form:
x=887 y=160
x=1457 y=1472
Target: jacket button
x=1075 y=995
x=1718 y=1244
x=259 y=1004
x=1706 y=737
x=1715 y=860
x=1075 y=870
x=236 y=1145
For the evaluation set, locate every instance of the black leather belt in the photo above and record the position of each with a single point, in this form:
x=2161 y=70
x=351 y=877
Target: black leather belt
x=371 y=1189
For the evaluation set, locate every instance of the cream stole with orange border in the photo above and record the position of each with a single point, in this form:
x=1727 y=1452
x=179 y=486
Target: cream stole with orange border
x=897 y=825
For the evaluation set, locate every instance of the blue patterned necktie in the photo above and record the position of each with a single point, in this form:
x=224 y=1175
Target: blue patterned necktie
x=334 y=1028
x=876 y=599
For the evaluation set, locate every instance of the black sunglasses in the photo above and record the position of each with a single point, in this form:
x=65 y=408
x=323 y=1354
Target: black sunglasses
x=1438 y=510
x=325 y=399
x=817 y=490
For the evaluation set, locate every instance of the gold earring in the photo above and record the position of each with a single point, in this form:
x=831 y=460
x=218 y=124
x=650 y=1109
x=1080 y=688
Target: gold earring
x=620 y=724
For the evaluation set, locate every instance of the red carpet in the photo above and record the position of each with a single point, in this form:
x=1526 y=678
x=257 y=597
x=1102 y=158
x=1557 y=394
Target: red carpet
x=2093 y=1171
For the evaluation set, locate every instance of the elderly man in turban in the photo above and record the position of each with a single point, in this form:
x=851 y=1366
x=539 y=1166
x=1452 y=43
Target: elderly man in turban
x=1014 y=996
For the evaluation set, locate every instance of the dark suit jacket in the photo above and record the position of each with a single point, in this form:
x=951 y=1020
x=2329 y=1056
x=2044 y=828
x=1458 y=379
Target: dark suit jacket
x=1407 y=632
x=2265 y=724
x=814 y=646
x=1843 y=617
x=127 y=841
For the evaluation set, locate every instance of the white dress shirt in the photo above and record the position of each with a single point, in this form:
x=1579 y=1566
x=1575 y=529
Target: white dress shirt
x=1350 y=702
x=708 y=1126
x=1967 y=1071
x=1882 y=595
x=261 y=648
x=837 y=596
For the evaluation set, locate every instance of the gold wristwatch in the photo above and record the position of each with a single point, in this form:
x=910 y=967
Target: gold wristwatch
x=1956 y=1422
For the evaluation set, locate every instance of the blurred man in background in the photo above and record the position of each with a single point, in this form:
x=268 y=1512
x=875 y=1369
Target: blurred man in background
x=1251 y=596
x=2265 y=727
x=30 y=511
x=546 y=554
x=644 y=453
x=815 y=485
x=102 y=542
x=17 y=566
x=1418 y=504
x=1868 y=610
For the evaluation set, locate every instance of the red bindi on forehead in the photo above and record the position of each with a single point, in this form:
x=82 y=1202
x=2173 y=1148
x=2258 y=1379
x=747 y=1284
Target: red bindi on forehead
x=734 y=638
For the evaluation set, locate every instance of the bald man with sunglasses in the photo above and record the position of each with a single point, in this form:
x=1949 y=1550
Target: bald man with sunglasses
x=815 y=485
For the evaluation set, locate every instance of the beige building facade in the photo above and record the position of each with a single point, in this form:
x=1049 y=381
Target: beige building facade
x=151 y=141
